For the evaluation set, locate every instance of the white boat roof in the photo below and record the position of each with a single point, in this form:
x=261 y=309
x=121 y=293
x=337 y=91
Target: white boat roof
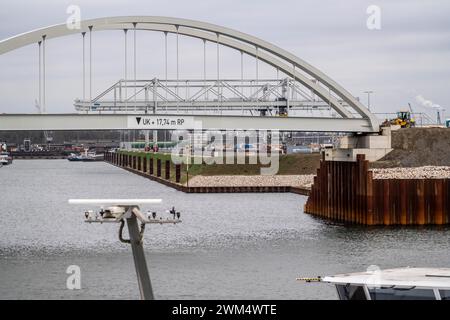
x=402 y=277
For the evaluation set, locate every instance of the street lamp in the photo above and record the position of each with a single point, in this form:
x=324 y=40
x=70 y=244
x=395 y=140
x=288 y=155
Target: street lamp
x=368 y=98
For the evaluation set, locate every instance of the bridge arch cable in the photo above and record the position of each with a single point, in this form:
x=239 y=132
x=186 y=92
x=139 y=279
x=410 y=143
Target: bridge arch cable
x=310 y=77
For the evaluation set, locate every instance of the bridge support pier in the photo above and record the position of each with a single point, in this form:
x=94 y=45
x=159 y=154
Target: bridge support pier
x=373 y=146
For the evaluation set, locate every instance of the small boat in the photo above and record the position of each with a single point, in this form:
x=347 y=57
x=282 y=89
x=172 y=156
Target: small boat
x=391 y=284
x=5 y=158
x=92 y=156
x=75 y=157
x=86 y=157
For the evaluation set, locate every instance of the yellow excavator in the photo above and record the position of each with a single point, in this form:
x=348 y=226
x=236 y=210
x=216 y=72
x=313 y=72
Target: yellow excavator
x=404 y=119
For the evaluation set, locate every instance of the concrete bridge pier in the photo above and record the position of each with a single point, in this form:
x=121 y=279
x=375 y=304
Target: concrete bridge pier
x=373 y=146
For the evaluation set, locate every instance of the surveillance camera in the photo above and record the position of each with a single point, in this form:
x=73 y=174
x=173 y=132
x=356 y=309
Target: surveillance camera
x=151 y=215
x=114 y=212
x=89 y=214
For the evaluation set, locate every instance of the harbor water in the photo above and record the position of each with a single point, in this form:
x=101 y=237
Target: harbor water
x=229 y=246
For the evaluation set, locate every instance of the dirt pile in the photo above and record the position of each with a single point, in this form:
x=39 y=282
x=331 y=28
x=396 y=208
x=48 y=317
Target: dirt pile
x=416 y=147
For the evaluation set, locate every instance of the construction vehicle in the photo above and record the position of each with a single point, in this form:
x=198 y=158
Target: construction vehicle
x=404 y=119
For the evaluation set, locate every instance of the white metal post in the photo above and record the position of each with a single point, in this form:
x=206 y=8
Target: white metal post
x=155 y=96
x=165 y=57
x=83 y=34
x=218 y=74
x=146 y=98
x=204 y=68
x=135 y=83
x=242 y=78
x=368 y=98
x=43 y=75
x=40 y=76
x=155 y=137
x=278 y=77
x=293 y=83
x=178 y=75
x=126 y=68
x=90 y=64
x=256 y=66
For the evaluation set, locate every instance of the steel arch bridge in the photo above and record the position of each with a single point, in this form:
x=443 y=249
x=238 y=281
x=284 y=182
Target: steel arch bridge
x=351 y=115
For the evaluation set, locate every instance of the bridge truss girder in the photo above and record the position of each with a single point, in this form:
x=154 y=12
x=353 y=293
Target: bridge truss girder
x=259 y=97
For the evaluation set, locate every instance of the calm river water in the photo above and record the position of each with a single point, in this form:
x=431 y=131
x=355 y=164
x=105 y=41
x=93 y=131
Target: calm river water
x=229 y=246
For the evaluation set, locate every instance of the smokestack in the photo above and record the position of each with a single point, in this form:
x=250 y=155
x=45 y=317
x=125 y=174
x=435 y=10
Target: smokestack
x=430 y=105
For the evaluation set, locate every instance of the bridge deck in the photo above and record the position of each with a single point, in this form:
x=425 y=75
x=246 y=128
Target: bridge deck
x=67 y=121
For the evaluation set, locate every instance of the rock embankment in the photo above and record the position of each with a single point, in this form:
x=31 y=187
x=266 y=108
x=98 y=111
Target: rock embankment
x=426 y=172
x=301 y=181
x=305 y=181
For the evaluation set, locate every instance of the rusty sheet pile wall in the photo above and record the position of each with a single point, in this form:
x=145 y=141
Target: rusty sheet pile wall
x=347 y=192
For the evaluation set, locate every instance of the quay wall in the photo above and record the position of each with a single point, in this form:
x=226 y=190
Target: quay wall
x=153 y=169
x=347 y=192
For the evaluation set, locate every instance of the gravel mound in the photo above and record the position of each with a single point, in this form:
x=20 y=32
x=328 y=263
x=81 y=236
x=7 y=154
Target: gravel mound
x=426 y=172
x=303 y=181
x=415 y=147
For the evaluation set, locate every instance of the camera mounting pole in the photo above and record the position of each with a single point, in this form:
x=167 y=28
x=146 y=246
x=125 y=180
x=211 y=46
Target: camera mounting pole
x=137 y=247
x=121 y=210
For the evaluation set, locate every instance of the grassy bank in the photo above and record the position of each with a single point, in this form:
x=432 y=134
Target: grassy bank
x=292 y=164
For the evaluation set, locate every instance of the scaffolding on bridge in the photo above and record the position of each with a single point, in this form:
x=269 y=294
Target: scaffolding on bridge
x=271 y=97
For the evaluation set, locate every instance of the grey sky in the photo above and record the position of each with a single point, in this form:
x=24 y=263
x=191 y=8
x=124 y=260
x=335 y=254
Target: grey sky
x=409 y=56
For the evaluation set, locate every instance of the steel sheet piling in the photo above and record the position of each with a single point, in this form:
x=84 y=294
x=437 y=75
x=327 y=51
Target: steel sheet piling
x=144 y=164
x=421 y=202
x=403 y=202
x=347 y=192
x=158 y=167
x=177 y=173
x=167 y=170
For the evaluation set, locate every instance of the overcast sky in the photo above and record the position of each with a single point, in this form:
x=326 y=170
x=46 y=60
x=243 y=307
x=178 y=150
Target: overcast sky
x=408 y=57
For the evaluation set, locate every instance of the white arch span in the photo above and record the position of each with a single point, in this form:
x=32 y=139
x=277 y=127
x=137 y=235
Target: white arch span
x=265 y=51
